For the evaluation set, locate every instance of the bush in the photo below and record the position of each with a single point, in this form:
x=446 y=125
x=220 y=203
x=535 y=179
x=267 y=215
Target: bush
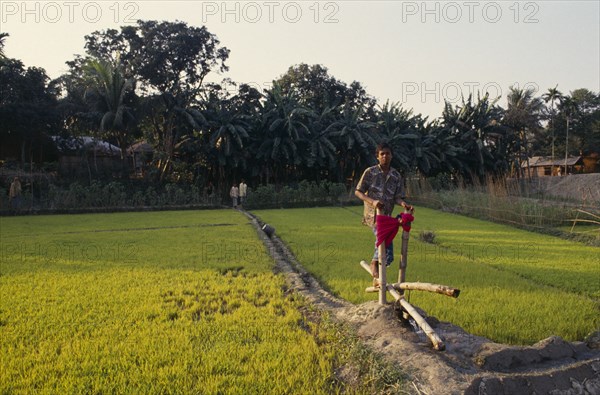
x=427 y=236
x=135 y=194
x=304 y=194
x=114 y=194
x=138 y=199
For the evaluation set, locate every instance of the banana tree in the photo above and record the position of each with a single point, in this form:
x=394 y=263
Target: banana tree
x=400 y=128
x=476 y=129
x=228 y=130
x=285 y=125
x=171 y=122
x=355 y=138
x=322 y=152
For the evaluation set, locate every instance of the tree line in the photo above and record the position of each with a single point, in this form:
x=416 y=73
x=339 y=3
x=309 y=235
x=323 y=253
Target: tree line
x=149 y=82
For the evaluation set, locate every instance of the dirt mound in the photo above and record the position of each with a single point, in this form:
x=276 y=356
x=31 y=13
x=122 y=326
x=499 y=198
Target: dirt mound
x=470 y=364
x=473 y=364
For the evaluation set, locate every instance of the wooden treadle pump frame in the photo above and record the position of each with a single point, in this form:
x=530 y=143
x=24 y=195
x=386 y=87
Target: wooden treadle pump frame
x=397 y=289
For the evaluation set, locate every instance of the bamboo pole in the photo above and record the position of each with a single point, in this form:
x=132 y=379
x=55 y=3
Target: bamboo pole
x=436 y=288
x=437 y=342
x=396 y=290
x=366 y=266
x=382 y=270
x=403 y=258
x=382 y=274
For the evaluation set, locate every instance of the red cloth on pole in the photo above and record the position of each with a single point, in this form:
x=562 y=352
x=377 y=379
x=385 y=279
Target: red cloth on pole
x=387 y=227
x=407 y=219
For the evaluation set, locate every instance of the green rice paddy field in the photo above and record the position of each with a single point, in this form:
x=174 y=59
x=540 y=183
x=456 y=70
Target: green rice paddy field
x=171 y=302
x=187 y=302
x=516 y=286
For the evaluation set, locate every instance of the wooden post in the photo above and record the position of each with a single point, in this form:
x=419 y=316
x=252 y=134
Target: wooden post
x=382 y=270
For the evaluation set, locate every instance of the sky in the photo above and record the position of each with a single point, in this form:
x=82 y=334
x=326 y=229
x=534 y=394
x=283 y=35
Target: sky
x=416 y=53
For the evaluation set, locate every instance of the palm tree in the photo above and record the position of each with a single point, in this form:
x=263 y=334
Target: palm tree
x=2 y=43
x=107 y=86
x=523 y=117
x=569 y=107
x=552 y=95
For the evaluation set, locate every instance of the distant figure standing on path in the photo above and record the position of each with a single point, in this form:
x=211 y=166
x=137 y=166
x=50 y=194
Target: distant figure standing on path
x=381 y=186
x=243 y=192
x=14 y=194
x=234 y=193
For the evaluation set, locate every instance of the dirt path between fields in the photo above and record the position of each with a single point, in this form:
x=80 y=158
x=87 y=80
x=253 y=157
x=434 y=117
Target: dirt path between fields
x=469 y=365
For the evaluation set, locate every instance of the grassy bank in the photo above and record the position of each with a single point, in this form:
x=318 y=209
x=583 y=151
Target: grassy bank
x=517 y=286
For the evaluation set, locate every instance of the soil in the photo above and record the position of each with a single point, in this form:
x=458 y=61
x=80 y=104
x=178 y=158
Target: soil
x=469 y=364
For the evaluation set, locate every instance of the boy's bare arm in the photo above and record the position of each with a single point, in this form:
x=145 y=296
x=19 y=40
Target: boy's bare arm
x=365 y=198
